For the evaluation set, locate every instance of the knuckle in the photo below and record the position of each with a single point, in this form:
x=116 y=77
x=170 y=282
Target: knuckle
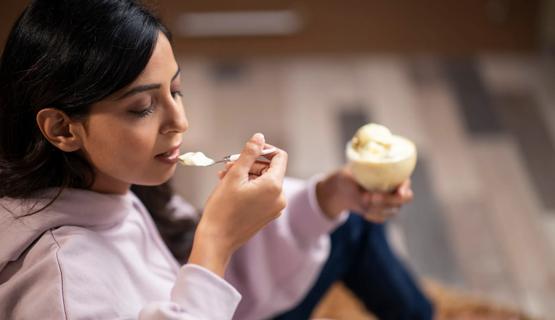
x=234 y=174
x=277 y=188
x=251 y=149
x=281 y=202
x=259 y=169
x=274 y=188
x=277 y=214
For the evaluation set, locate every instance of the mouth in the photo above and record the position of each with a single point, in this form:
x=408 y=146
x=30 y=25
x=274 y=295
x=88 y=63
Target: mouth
x=170 y=156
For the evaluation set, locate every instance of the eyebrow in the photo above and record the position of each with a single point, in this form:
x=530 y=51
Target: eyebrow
x=146 y=87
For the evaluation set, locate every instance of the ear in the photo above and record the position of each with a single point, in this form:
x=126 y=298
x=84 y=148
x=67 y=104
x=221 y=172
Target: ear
x=59 y=129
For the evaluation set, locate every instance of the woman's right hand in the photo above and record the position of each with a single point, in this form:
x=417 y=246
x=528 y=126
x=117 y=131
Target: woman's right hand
x=239 y=207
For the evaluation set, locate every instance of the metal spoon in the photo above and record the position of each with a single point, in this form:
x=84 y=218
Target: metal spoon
x=198 y=159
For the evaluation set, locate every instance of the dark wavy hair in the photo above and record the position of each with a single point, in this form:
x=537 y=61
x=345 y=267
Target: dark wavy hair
x=66 y=54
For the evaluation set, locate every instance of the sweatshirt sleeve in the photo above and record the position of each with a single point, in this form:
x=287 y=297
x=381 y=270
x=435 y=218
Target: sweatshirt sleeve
x=277 y=267
x=307 y=220
x=198 y=294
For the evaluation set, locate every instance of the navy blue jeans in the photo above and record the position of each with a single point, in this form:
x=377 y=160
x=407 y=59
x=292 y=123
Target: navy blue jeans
x=362 y=259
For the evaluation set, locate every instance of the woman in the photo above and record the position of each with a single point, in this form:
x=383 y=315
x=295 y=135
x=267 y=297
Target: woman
x=90 y=104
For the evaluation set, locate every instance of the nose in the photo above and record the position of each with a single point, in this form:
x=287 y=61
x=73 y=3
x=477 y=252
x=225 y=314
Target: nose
x=175 y=120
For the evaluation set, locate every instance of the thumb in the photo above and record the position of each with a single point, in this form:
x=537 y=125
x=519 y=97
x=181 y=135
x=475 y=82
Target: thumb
x=251 y=151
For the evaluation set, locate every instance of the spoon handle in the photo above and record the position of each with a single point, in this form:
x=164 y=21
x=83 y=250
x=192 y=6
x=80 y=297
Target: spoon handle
x=234 y=157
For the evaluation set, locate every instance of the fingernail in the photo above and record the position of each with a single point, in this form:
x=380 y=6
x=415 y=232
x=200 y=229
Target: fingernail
x=258 y=137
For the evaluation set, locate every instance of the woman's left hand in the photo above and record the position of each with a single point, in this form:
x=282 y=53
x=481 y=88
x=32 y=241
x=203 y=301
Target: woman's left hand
x=339 y=192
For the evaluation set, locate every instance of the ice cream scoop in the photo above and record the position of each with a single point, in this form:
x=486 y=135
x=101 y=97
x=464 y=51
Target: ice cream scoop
x=380 y=160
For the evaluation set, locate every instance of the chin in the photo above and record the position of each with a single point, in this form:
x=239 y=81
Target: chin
x=157 y=180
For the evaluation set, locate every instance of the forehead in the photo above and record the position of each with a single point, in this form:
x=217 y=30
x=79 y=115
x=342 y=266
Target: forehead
x=161 y=66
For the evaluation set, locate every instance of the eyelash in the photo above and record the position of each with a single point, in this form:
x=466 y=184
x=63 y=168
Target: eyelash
x=150 y=109
x=144 y=113
x=176 y=93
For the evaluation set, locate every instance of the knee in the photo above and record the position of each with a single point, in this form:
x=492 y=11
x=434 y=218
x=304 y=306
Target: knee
x=417 y=308
x=422 y=310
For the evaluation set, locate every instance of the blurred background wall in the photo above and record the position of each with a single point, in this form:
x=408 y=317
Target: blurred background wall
x=471 y=82
x=313 y=26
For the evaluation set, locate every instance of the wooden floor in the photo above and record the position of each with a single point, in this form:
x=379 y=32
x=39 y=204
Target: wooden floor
x=484 y=215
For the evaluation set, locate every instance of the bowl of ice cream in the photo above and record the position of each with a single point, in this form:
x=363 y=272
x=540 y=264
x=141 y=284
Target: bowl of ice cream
x=379 y=160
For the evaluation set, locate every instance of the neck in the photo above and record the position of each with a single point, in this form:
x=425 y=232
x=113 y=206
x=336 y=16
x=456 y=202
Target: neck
x=104 y=184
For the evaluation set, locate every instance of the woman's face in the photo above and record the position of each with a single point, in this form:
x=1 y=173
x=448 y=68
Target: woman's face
x=133 y=136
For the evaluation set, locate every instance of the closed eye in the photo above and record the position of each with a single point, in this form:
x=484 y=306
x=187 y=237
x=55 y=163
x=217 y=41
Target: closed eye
x=177 y=93
x=144 y=112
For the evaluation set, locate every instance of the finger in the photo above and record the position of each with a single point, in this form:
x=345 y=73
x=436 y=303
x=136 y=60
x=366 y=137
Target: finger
x=366 y=200
x=228 y=165
x=404 y=188
x=277 y=166
x=401 y=196
x=393 y=200
x=221 y=174
x=346 y=171
x=372 y=198
x=384 y=210
x=259 y=168
x=267 y=148
x=406 y=191
x=248 y=156
x=374 y=210
x=374 y=218
x=381 y=213
x=390 y=211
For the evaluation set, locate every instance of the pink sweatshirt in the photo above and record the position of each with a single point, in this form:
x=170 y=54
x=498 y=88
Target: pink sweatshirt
x=98 y=256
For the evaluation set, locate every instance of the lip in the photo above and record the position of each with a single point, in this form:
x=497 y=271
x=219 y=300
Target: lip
x=170 y=156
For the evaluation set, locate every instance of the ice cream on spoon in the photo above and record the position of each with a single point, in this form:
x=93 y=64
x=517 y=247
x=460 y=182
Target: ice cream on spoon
x=198 y=159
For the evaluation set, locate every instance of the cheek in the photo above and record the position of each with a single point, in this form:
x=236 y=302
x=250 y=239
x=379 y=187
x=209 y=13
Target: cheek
x=114 y=144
